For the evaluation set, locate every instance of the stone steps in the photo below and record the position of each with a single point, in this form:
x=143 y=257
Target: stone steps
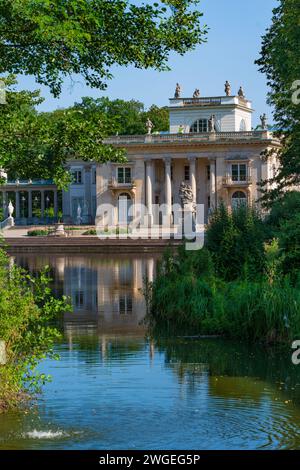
x=86 y=244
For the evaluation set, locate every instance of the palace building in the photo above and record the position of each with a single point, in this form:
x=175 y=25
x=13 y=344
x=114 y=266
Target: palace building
x=211 y=146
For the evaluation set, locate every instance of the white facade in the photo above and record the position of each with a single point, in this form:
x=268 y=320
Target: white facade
x=232 y=113
x=210 y=147
x=79 y=202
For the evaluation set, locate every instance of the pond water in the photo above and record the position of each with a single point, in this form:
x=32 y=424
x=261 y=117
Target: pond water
x=115 y=389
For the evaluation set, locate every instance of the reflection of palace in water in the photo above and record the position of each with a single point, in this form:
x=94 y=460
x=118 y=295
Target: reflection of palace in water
x=105 y=292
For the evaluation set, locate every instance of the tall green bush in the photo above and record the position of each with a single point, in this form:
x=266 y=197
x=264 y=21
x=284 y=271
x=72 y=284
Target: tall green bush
x=236 y=242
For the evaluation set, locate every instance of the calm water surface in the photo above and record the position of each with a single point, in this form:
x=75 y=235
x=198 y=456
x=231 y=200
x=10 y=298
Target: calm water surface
x=112 y=388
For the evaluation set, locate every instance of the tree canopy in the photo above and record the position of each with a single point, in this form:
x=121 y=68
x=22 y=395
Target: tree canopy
x=38 y=145
x=279 y=60
x=52 y=39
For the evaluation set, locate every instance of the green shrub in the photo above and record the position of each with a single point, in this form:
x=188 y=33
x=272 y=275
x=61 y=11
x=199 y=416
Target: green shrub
x=282 y=211
x=37 y=233
x=236 y=242
x=289 y=243
x=27 y=325
x=91 y=231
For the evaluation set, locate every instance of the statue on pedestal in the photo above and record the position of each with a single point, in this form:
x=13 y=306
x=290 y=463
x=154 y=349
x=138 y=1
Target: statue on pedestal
x=227 y=88
x=10 y=209
x=196 y=93
x=188 y=209
x=186 y=194
x=177 y=91
x=149 y=126
x=264 y=121
x=241 y=92
x=79 y=210
x=212 y=123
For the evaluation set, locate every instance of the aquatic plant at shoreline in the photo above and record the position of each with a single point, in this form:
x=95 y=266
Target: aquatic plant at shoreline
x=28 y=326
x=253 y=294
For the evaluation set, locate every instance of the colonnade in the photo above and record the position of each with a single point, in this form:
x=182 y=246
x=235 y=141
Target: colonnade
x=24 y=197
x=150 y=183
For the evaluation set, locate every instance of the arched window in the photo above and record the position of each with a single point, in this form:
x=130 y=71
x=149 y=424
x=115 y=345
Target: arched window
x=238 y=199
x=243 y=125
x=124 y=204
x=201 y=125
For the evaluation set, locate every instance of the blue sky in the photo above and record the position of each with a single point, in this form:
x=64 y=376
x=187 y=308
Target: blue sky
x=234 y=41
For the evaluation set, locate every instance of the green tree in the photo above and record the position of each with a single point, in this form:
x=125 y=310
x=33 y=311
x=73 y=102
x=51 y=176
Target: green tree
x=36 y=144
x=281 y=211
x=289 y=243
x=279 y=60
x=236 y=242
x=53 y=39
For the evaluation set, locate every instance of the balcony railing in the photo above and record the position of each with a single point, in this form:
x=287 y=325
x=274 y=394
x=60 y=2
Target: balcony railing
x=212 y=137
x=34 y=182
x=232 y=181
x=114 y=183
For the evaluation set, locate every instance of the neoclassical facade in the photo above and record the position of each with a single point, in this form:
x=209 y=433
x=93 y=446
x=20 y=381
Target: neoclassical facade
x=210 y=146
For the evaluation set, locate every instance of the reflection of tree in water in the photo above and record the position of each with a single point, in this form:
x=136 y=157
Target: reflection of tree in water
x=195 y=360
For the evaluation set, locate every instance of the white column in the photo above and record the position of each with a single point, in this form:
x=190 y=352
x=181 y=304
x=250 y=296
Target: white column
x=4 y=205
x=17 y=204
x=88 y=191
x=192 y=161
x=168 y=187
x=42 y=203
x=212 y=184
x=30 y=204
x=149 y=189
x=55 y=202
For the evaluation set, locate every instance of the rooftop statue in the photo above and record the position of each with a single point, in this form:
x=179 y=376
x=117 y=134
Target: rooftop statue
x=264 y=120
x=241 y=92
x=227 y=88
x=149 y=126
x=196 y=93
x=177 y=91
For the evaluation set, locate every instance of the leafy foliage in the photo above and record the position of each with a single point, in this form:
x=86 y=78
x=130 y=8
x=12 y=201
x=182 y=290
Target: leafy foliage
x=236 y=242
x=38 y=145
x=279 y=60
x=281 y=211
x=28 y=325
x=53 y=39
x=237 y=285
x=289 y=242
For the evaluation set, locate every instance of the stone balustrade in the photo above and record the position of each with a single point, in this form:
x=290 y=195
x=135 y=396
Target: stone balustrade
x=213 y=137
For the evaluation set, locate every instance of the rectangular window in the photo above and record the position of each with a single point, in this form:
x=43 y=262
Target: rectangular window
x=77 y=176
x=79 y=298
x=208 y=172
x=186 y=173
x=125 y=304
x=124 y=175
x=239 y=172
x=201 y=125
x=94 y=176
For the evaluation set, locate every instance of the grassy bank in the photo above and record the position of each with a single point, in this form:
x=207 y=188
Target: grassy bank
x=243 y=284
